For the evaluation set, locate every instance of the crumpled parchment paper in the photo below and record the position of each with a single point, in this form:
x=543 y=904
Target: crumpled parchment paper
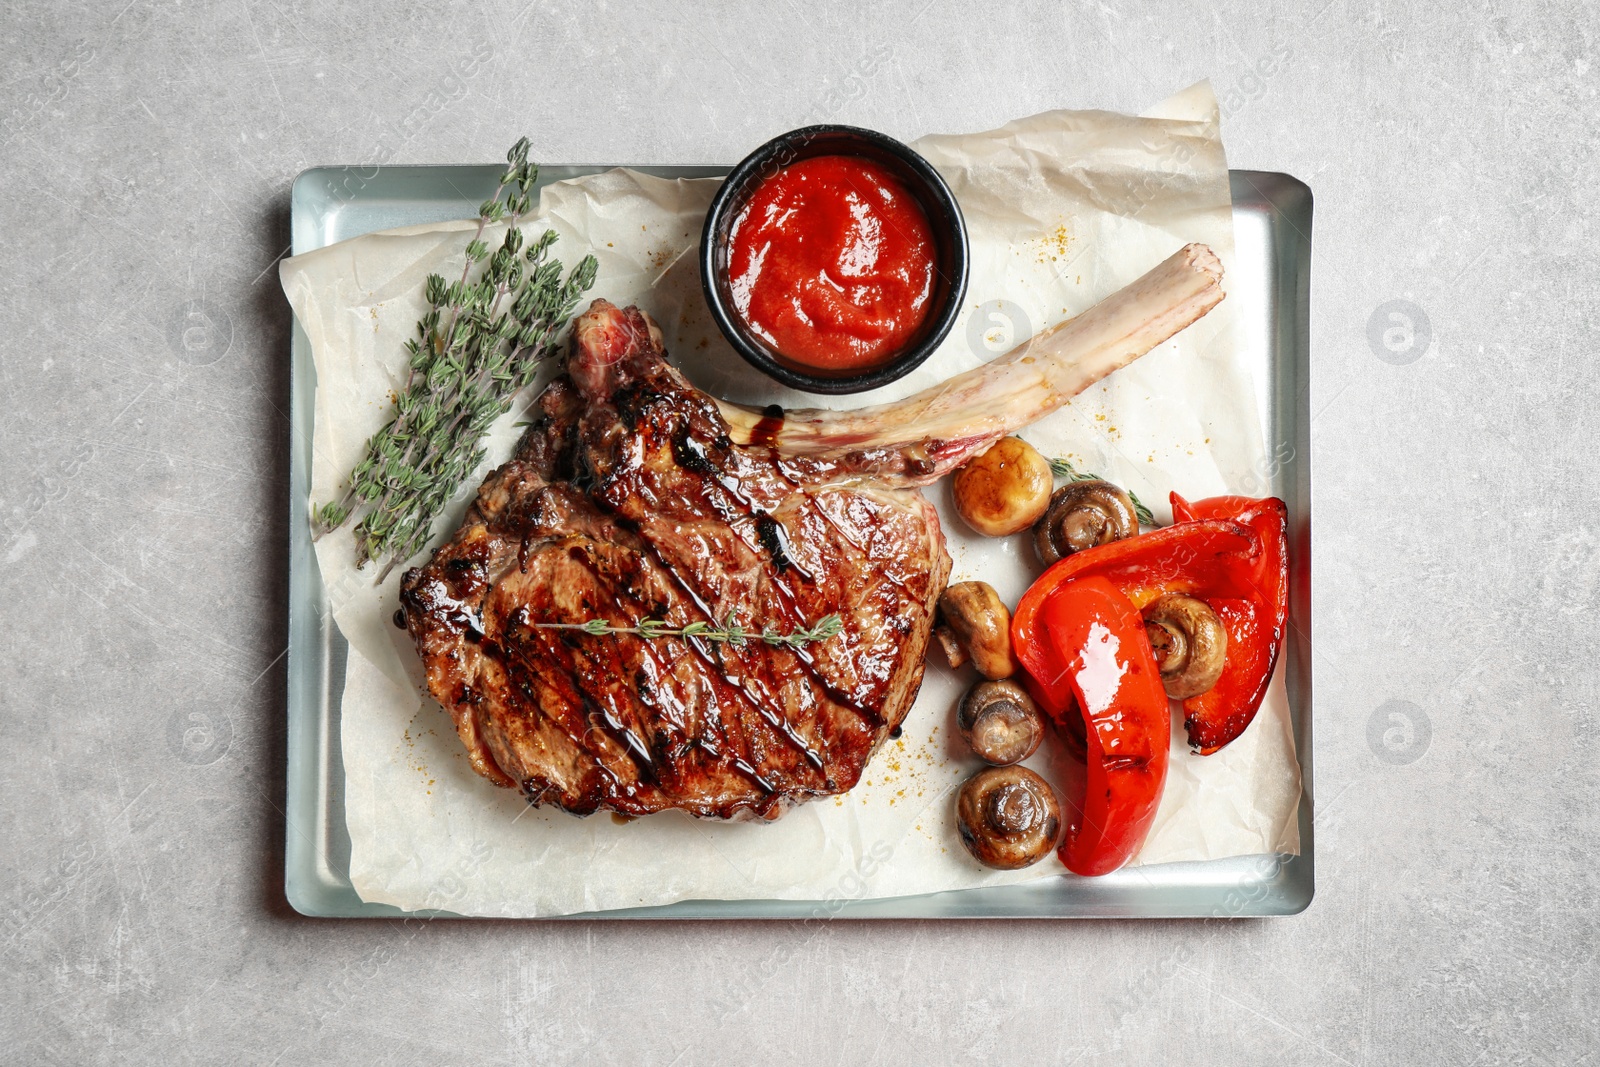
x=1063 y=208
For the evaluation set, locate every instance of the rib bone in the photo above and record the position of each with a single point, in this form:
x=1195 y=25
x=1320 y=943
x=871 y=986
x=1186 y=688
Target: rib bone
x=917 y=440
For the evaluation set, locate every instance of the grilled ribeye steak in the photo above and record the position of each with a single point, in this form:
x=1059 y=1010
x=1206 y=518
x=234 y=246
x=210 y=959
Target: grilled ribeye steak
x=634 y=496
x=627 y=500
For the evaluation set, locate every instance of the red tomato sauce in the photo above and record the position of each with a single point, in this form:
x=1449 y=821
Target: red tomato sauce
x=832 y=263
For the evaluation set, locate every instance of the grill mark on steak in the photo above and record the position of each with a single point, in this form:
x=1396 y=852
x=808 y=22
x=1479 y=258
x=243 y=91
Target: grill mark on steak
x=775 y=541
x=627 y=500
x=691 y=456
x=791 y=618
x=698 y=599
x=721 y=491
x=574 y=661
x=715 y=676
x=596 y=703
x=557 y=653
x=603 y=717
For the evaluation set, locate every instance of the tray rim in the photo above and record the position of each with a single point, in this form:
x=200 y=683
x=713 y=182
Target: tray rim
x=1251 y=886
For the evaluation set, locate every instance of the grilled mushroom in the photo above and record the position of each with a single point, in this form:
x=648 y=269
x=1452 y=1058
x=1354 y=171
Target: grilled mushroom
x=954 y=654
x=975 y=624
x=1005 y=489
x=1000 y=722
x=1189 y=641
x=1082 y=515
x=1008 y=817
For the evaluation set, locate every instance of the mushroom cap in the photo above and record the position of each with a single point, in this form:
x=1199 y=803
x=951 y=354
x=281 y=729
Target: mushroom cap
x=981 y=624
x=1083 y=515
x=1190 y=643
x=1000 y=721
x=1004 y=489
x=1008 y=817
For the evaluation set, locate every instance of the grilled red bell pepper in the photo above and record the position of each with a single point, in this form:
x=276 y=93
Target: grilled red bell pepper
x=1231 y=552
x=1098 y=636
x=1199 y=558
x=1255 y=618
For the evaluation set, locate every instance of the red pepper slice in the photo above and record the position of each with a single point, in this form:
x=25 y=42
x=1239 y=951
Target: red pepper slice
x=1256 y=619
x=1110 y=669
x=1203 y=558
x=1231 y=552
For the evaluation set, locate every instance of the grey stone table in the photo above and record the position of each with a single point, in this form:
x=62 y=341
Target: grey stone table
x=146 y=151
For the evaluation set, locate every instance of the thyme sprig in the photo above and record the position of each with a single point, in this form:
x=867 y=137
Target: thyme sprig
x=733 y=632
x=1062 y=468
x=481 y=343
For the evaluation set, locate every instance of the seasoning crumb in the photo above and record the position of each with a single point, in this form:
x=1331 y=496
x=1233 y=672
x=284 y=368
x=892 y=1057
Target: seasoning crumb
x=1055 y=244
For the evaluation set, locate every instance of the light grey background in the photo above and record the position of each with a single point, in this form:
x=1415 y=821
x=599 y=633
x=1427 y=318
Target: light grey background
x=146 y=151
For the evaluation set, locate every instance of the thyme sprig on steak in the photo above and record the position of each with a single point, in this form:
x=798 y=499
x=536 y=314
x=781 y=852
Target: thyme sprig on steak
x=734 y=632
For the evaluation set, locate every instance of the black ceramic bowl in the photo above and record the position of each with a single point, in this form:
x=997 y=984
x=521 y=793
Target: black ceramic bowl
x=919 y=178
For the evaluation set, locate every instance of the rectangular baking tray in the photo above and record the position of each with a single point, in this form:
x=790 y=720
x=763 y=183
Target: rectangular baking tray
x=1270 y=288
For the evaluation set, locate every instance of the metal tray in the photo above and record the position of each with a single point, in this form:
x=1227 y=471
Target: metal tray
x=1271 y=288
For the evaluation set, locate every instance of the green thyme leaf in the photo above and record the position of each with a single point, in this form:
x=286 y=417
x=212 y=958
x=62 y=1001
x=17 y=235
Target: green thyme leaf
x=481 y=342
x=733 y=632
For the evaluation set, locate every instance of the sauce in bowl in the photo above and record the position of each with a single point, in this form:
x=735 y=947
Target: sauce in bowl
x=831 y=262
